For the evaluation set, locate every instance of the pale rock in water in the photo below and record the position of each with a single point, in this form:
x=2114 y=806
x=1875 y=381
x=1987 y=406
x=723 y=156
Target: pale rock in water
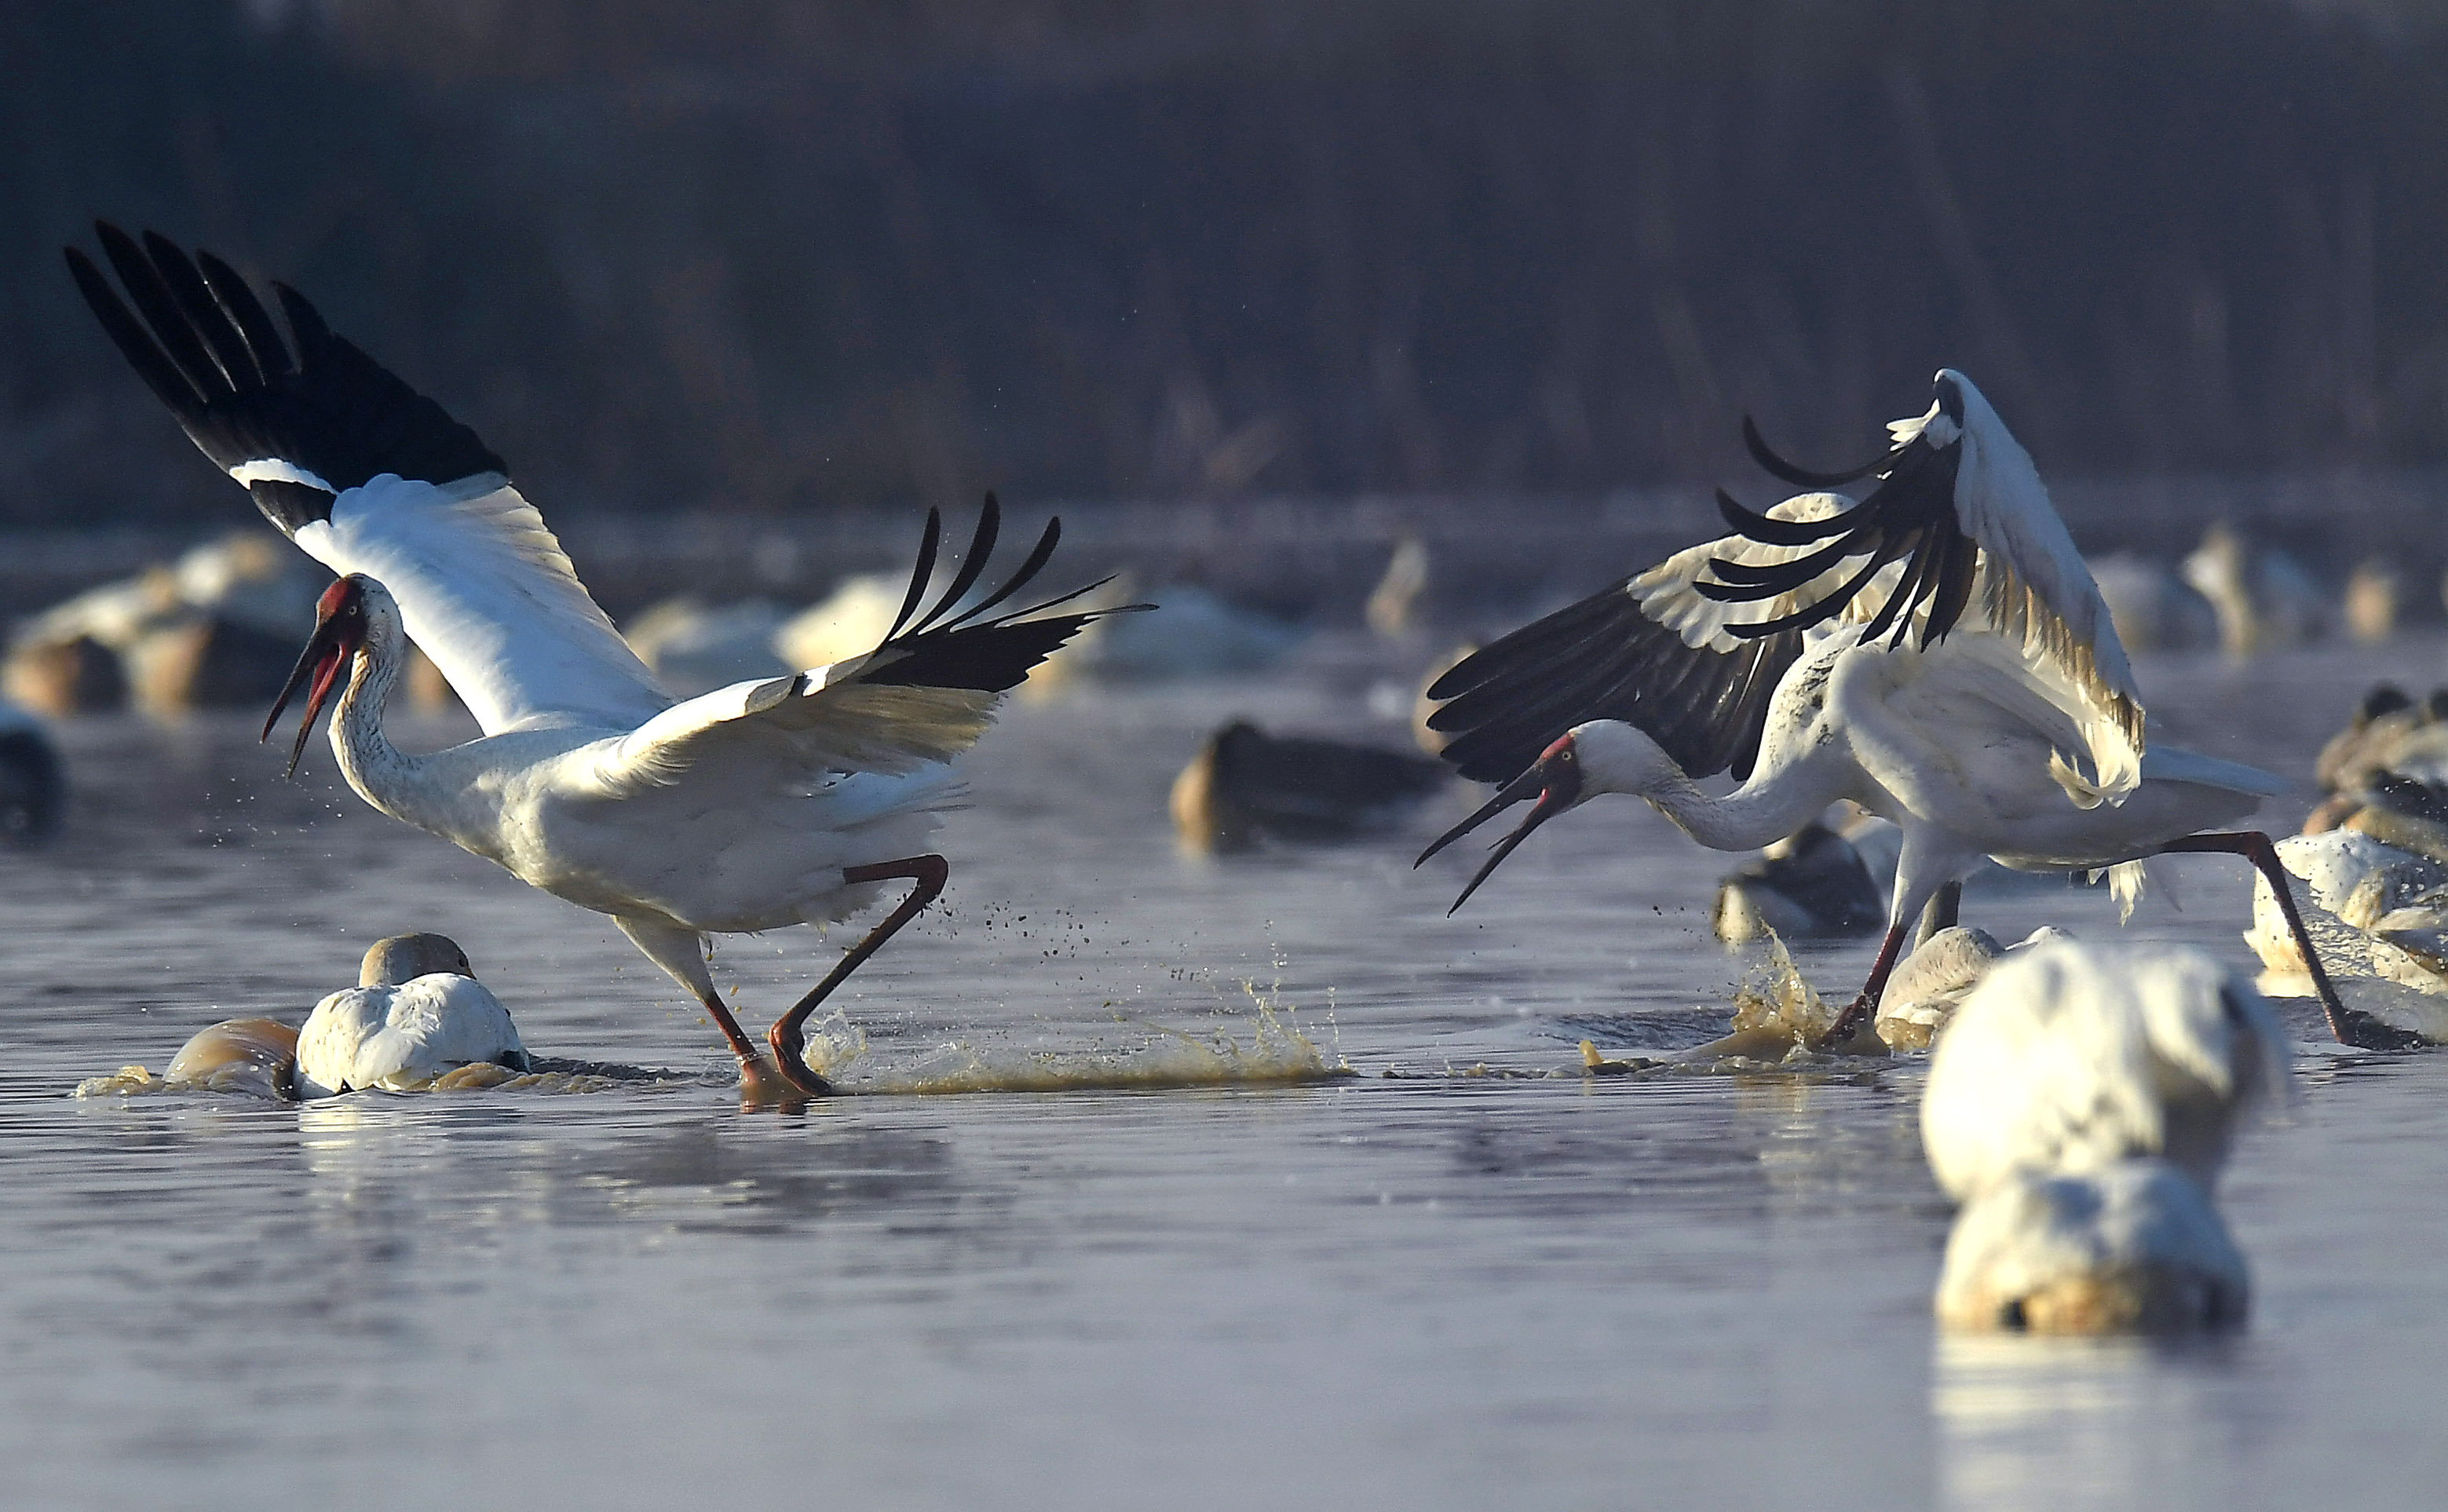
x=253 y=1056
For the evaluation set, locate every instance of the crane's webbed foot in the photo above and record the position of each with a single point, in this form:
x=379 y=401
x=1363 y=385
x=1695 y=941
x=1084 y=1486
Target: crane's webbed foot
x=770 y=1085
x=791 y=1060
x=1847 y=1025
x=2365 y=1032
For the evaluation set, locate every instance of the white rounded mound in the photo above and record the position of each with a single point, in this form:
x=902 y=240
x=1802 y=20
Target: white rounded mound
x=2133 y=1248
x=400 y=1038
x=2069 y=1057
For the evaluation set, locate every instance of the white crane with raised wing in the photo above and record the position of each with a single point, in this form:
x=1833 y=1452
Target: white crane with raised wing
x=1963 y=680
x=753 y=807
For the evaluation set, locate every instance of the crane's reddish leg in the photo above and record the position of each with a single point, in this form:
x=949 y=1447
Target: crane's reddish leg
x=930 y=873
x=1867 y=1003
x=741 y=1046
x=2350 y=1025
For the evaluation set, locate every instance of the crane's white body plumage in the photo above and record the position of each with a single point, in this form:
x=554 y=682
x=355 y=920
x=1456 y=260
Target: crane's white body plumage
x=1965 y=747
x=2072 y=1057
x=737 y=811
x=401 y=1036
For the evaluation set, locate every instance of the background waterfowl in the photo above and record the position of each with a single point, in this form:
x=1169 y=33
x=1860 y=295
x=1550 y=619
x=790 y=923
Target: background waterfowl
x=33 y=780
x=1245 y=786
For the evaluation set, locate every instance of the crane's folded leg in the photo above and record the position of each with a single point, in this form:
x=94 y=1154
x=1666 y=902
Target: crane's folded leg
x=789 y=1049
x=2351 y=1026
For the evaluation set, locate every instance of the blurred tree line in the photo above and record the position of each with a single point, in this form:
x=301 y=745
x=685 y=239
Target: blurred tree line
x=762 y=254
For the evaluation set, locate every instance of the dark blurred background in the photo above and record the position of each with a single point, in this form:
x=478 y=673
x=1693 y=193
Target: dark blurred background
x=774 y=256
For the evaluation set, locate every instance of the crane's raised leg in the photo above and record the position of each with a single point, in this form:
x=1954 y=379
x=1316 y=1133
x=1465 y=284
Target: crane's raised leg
x=789 y=1049
x=2351 y=1026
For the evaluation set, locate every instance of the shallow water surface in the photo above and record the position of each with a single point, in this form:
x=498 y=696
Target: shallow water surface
x=1427 y=1289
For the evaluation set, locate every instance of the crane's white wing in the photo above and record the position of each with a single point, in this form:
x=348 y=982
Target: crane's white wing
x=797 y=729
x=924 y=696
x=369 y=476
x=1960 y=516
x=485 y=590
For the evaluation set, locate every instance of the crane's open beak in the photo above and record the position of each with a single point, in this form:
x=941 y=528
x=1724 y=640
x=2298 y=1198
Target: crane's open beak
x=336 y=637
x=1555 y=780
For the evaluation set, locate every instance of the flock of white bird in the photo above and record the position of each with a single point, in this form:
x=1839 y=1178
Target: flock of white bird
x=1933 y=653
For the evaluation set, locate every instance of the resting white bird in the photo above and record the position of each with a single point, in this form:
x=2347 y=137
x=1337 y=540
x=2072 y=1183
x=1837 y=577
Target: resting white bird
x=1963 y=746
x=2080 y=1107
x=2069 y=1057
x=754 y=806
x=416 y=1013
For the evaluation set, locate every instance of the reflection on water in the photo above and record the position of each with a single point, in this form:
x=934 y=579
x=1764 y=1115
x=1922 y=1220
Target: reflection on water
x=2047 y=1422
x=1187 y=1261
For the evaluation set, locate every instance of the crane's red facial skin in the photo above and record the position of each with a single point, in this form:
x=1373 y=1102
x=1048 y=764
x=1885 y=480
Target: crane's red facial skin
x=339 y=630
x=1556 y=778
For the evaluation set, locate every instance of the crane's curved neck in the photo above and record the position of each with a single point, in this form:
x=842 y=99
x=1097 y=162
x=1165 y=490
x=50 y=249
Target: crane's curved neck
x=1763 y=811
x=383 y=774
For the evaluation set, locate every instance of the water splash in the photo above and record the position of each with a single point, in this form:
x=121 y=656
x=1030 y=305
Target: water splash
x=125 y=1081
x=1265 y=1048
x=1779 y=1017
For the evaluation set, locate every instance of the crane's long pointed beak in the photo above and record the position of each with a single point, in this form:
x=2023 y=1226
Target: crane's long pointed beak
x=1525 y=786
x=327 y=651
x=1556 y=785
x=1548 y=806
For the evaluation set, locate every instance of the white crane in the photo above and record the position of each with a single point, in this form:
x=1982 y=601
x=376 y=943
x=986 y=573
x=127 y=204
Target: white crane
x=753 y=807
x=1957 y=522
x=416 y=1013
x=2021 y=738
x=1962 y=745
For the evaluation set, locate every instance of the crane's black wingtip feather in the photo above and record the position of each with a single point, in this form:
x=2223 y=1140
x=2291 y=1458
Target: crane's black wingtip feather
x=208 y=348
x=1603 y=658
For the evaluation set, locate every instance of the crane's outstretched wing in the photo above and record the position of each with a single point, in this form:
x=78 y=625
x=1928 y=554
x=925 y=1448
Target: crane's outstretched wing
x=1651 y=651
x=1958 y=519
x=368 y=475
x=925 y=695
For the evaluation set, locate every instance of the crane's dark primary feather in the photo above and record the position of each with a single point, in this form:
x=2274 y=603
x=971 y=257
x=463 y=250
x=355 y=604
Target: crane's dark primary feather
x=1602 y=659
x=209 y=351
x=1910 y=514
x=968 y=651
